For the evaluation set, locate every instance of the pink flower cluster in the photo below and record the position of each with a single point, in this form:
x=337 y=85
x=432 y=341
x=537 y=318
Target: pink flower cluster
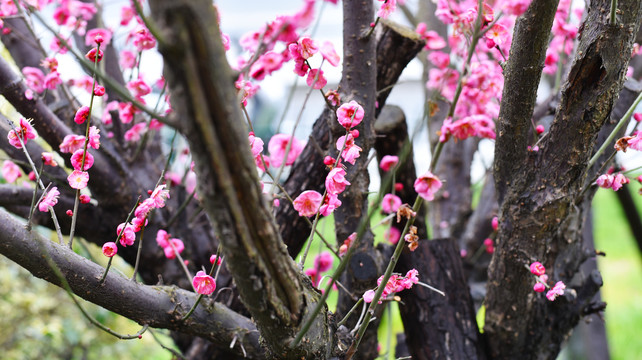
x=427 y=185
x=127 y=231
x=474 y=125
x=609 y=181
x=539 y=271
x=565 y=29
x=37 y=81
x=171 y=246
x=395 y=284
x=308 y=202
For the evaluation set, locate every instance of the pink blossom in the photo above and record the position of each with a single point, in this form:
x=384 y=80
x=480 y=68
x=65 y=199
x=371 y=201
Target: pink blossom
x=323 y=261
x=333 y=97
x=94 y=137
x=128 y=59
x=162 y=238
x=307 y=47
x=174 y=247
x=78 y=179
x=139 y=88
x=388 y=162
x=330 y=203
x=77 y=158
x=52 y=80
x=57 y=46
x=495 y=223
x=387 y=8
x=256 y=144
x=47 y=159
x=347 y=243
x=110 y=249
x=335 y=182
x=351 y=151
x=618 y=181
x=328 y=53
x=604 y=181
x=90 y=36
x=215 y=259
x=71 y=143
x=636 y=142
x=516 y=7
x=94 y=55
x=10 y=171
x=144 y=208
x=24 y=132
x=313 y=274
x=316 y=80
x=35 y=78
x=539 y=287
x=392 y=234
x=433 y=40
x=427 y=185
x=134 y=133
x=266 y=65
x=127 y=234
x=84 y=199
x=498 y=34
x=143 y=39
x=350 y=114
x=159 y=195
x=50 y=199
x=537 y=268
x=489 y=245
x=390 y=203
x=81 y=115
x=439 y=59
x=637 y=117
x=368 y=296
x=307 y=203
x=411 y=278
x=203 y=283
x=126 y=112
x=127 y=14
x=474 y=125
x=277 y=146
x=556 y=291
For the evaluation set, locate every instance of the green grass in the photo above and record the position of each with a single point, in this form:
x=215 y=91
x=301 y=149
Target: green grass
x=621 y=270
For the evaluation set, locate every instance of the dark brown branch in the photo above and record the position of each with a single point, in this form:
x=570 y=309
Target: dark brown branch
x=268 y=280
x=541 y=216
x=156 y=306
x=522 y=75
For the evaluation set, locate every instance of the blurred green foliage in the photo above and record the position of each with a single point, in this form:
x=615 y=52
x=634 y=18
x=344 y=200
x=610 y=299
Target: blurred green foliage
x=40 y=321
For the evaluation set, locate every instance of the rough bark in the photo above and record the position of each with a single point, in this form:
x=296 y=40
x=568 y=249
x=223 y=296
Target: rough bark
x=269 y=282
x=522 y=75
x=542 y=212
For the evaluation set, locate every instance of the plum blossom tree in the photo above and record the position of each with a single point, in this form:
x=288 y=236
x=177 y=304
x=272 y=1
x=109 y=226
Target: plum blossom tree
x=176 y=160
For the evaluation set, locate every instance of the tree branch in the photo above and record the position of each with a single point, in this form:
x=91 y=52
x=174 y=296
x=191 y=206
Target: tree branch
x=268 y=280
x=156 y=306
x=522 y=74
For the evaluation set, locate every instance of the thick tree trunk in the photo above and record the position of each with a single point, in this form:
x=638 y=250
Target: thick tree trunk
x=542 y=204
